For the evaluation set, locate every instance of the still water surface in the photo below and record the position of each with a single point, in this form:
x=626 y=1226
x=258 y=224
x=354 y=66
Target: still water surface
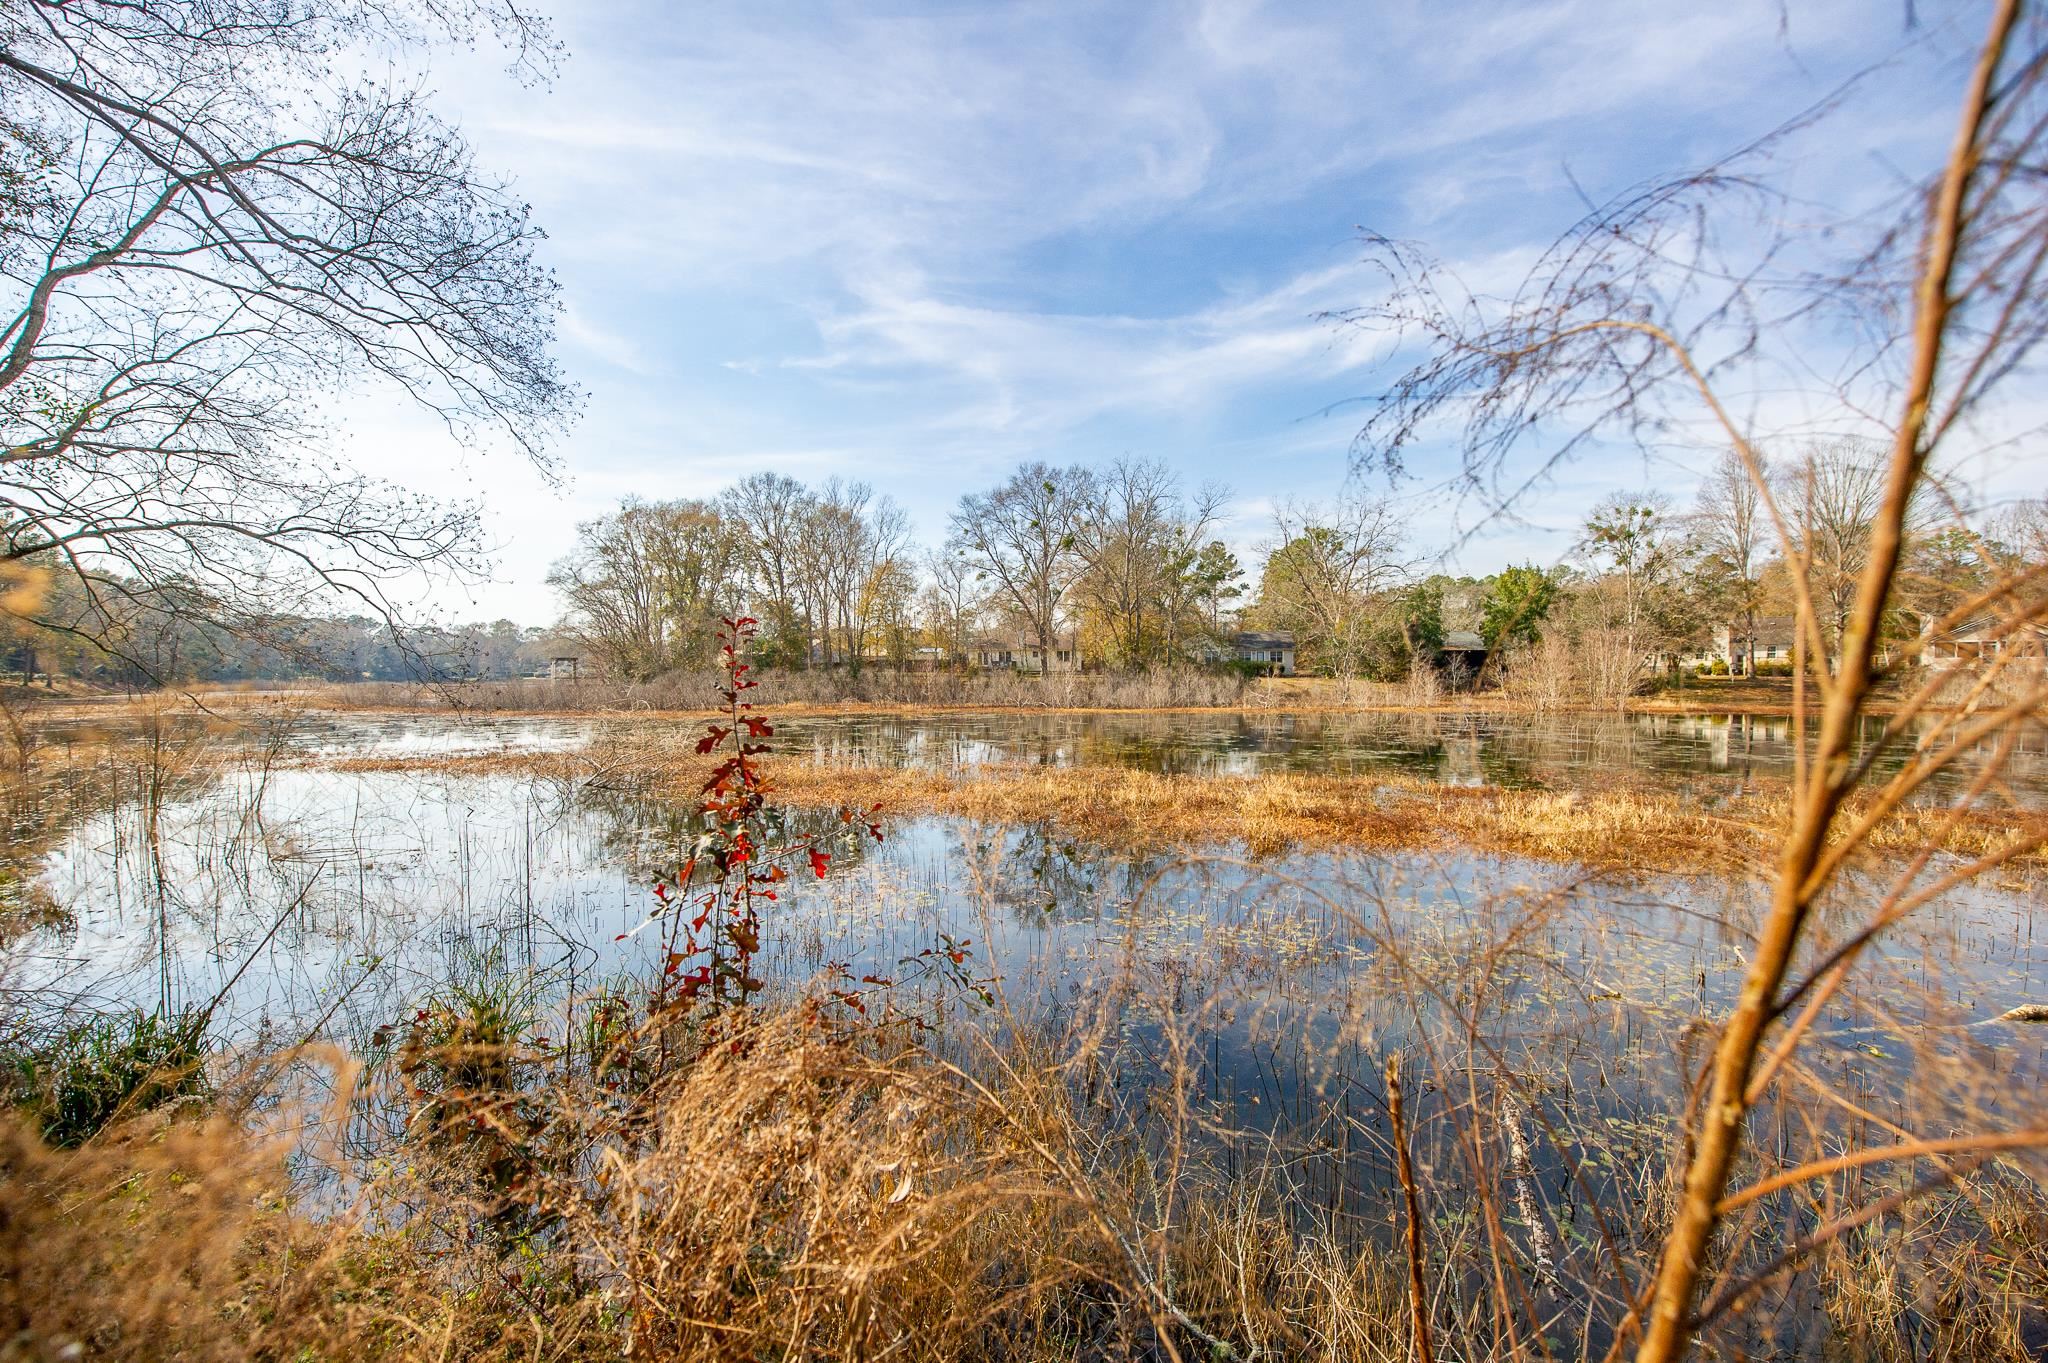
x=1706 y=750
x=312 y=898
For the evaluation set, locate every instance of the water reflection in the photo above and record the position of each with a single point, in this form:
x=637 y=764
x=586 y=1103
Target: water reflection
x=1461 y=749
x=1710 y=753
x=317 y=898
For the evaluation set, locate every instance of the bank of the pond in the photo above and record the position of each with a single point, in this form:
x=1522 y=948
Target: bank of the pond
x=1093 y=694
x=1169 y=1135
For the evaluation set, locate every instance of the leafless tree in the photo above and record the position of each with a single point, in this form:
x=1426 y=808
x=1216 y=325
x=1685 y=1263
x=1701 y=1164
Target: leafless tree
x=773 y=510
x=952 y=603
x=2018 y=535
x=1631 y=599
x=209 y=235
x=1188 y=597
x=646 y=587
x=885 y=582
x=1138 y=542
x=1729 y=526
x=1328 y=574
x=1646 y=316
x=1023 y=538
x=1833 y=493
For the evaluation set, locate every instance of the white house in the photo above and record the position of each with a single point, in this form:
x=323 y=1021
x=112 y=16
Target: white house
x=1731 y=644
x=1027 y=655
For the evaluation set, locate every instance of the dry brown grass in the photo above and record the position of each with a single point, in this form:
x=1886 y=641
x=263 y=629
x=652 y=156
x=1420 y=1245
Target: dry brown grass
x=178 y=1240
x=811 y=1195
x=798 y=1196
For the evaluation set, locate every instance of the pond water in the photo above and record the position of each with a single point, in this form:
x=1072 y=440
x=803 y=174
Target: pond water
x=1717 y=750
x=308 y=898
x=309 y=901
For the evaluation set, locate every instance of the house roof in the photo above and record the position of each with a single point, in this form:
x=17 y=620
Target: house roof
x=1014 y=642
x=1253 y=639
x=1985 y=628
x=1769 y=628
x=1463 y=641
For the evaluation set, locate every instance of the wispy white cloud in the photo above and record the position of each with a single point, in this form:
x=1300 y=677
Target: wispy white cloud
x=609 y=347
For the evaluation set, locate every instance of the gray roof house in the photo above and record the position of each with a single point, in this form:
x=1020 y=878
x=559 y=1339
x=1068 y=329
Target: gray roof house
x=1274 y=651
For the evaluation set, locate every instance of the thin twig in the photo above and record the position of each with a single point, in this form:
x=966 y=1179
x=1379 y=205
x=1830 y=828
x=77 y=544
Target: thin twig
x=1418 y=1301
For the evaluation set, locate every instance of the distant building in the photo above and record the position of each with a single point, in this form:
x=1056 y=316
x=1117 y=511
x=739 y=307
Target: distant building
x=1274 y=652
x=1730 y=644
x=1981 y=640
x=1462 y=648
x=1027 y=655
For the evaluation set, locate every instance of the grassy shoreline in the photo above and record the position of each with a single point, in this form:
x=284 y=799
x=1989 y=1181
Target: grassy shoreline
x=818 y=1186
x=1770 y=697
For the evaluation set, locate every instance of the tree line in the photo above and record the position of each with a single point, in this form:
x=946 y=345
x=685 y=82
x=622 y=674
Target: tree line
x=1647 y=581
x=1119 y=562
x=52 y=626
x=1122 y=565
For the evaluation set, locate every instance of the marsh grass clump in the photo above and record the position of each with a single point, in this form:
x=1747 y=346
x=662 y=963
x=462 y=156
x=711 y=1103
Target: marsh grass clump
x=71 y=1082
x=469 y=1067
x=799 y=1195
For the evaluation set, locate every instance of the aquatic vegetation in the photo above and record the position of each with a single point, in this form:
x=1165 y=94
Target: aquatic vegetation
x=71 y=1082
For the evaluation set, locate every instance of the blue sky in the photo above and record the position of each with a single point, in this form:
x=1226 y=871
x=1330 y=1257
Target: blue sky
x=917 y=243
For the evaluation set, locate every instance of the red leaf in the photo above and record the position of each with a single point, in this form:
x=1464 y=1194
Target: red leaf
x=819 y=860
